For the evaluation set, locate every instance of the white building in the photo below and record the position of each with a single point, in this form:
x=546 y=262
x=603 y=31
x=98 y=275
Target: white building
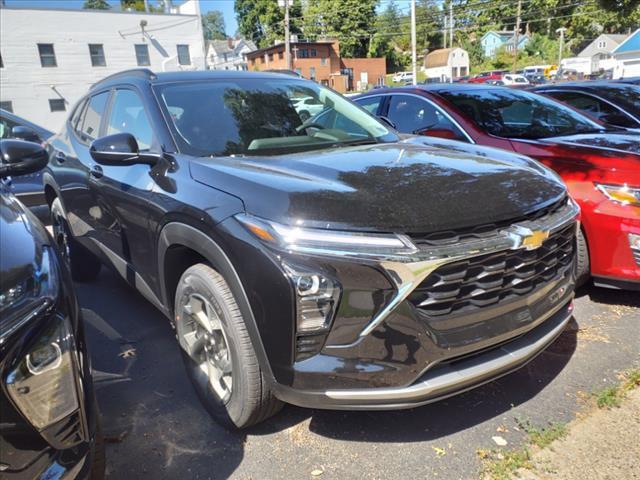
x=599 y=52
x=50 y=58
x=228 y=54
x=446 y=64
x=627 y=57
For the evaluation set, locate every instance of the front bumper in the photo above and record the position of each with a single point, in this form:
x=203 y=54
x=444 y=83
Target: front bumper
x=444 y=380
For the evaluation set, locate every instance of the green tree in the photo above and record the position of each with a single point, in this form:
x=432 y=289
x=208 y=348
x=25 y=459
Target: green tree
x=382 y=42
x=96 y=5
x=263 y=20
x=137 y=5
x=213 y=25
x=350 y=21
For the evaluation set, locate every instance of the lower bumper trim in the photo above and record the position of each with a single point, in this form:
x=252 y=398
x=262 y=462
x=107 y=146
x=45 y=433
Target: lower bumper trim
x=444 y=380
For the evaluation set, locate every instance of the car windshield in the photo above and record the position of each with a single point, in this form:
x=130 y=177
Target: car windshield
x=627 y=96
x=517 y=114
x=264 y=116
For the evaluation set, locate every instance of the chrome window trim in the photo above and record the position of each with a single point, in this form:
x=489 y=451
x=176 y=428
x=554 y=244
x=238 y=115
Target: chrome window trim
x=430 y=102
x=406 y=273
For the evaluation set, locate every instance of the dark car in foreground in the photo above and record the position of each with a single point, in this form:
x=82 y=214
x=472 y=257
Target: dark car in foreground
x=613 y=103
x=28 y=188
x=48 y=416
x=600 y=165
x=323 y=262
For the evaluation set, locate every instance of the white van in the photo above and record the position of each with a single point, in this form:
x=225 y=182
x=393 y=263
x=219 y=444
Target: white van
x=403 y=77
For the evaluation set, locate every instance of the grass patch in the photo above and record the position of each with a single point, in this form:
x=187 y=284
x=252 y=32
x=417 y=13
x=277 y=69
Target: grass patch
x=543 y=437
x=501 y=465
x=611 y=397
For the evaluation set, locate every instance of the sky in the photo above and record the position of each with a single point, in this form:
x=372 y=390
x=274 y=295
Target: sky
x=225 y=6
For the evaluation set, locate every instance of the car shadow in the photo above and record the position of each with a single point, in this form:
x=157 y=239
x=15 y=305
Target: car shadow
x=610 y=296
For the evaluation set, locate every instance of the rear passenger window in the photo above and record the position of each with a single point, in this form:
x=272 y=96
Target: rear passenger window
x=89 y=123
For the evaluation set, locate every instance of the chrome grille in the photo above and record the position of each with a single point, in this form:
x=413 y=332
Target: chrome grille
x=492 y=278
x=636 y=256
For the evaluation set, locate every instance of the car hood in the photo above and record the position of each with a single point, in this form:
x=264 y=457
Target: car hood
x=399 y=187
x=23 y=236
x=623 y=142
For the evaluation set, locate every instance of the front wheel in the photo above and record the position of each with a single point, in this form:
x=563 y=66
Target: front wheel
x=217 y=351
x=84 y=266
x=583 y=269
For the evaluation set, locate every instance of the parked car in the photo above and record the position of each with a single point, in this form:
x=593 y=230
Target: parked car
x=536 y=79
x=307 y=107
x=401 y=77
x=600 y=166
x=511 y=79
x=325 y=263
x=487 y=76
x=28 y=188
x=48 y=416
x=616 y=104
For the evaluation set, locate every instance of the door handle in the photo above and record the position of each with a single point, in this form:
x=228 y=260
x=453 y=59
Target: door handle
x=60 y=157
x=96 y=171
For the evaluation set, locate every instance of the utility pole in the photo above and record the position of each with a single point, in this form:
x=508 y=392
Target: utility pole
x=561 y=32
x=146 y=6
x=516 y=38
x=445 y=32
x=450 y=23
x=287 y=35
x=414 y=59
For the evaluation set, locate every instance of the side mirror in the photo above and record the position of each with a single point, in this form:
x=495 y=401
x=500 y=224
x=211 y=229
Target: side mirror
x=387 y=121
x=119 y=150
x=20 y=132
x=19 y=157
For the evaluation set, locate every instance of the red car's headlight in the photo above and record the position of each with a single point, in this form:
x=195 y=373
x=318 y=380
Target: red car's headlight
x=623 y=194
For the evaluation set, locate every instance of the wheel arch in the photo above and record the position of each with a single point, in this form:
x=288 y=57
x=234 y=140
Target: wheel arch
x=178 y=239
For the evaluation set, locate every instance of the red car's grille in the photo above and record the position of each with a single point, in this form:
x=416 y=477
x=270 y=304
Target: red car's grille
x=493 y=278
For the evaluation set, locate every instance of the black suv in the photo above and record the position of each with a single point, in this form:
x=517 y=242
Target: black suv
x=48 y=416
x=325 y=261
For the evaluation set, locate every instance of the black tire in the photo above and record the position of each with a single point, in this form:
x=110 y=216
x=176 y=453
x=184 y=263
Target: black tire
x=250 y=401
x=583 y=269
x=84 y=266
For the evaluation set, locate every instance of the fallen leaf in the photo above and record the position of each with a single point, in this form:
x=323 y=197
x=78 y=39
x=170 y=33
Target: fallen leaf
x=441 y=452
x=317 y=472
x=501 y=442
x=502 y=429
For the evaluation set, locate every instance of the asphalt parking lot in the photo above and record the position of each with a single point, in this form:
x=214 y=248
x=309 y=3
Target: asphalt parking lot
x=156 y=428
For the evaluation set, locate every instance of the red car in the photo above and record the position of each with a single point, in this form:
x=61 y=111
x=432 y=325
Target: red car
x=486 y=76
x=600 y=167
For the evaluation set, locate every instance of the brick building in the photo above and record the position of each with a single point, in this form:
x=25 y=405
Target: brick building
x=321 y=61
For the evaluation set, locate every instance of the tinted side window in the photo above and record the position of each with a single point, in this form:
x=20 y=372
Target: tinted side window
x=128 y=115
x=411 y=113
x=89 y=123
x=594 y=107
x=371 y=104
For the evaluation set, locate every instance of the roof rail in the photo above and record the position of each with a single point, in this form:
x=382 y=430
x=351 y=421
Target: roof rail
x=144 y=73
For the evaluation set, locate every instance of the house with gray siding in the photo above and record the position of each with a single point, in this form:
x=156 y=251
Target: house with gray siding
x=601 y=49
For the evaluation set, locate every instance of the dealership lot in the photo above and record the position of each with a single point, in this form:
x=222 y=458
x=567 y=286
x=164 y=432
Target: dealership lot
x=156 y=427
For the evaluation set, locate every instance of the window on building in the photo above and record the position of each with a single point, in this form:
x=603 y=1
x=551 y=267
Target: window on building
x=323 y=61
x=602 y=44
x=313 y=52
x=312 y=73
x=7 y=105
x=142 y=54
x=253 y=62
x=280 y=55
x=303 y=53
x=128 y=115
x=57 y=105
x=224 y=55
x=183 y=55
x=47 y=55
x=96 y=51
x=271 y=57
x=88 y=125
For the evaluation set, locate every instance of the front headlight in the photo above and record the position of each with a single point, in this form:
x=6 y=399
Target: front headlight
x=327 y=242
x=42 y=385
x=623 y=194
x=29 y=296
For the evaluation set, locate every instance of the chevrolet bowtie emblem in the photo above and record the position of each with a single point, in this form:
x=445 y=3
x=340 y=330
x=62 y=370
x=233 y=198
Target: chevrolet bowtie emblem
x=527 y=238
